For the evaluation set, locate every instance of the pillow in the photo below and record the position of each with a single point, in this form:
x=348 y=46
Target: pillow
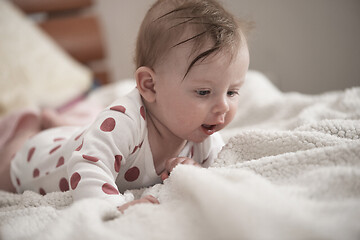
x=34 y=71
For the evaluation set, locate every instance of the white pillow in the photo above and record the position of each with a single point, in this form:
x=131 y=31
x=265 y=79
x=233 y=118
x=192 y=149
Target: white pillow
x=34 y=71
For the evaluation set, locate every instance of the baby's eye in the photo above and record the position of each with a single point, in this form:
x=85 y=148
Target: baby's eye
x=232 y=93
x=202 y=92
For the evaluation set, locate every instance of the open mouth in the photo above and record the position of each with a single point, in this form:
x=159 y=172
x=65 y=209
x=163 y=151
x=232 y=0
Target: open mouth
x=208 y=129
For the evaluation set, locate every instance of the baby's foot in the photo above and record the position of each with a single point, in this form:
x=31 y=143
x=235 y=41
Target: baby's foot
x=50 y=118
x=27 y=127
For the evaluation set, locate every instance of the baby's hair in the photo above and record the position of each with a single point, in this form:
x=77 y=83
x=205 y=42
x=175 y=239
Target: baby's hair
x=167 y=21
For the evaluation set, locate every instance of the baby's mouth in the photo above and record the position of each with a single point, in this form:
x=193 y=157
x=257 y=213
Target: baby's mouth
x=208 y=129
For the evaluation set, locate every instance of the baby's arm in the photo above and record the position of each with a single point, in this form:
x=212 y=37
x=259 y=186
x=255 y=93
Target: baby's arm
x=94 y=167
x=173 y=162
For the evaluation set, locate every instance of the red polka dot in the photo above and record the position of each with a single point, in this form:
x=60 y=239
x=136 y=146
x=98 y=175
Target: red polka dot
x=64 y=185
x=132 y=174
x=74 y=180
x=36 y=172
x=60 y=162
x=135 y=148
x=42 y=191
x=109 y=189
x=117 y=163
x=90 y=158
x=118 y=108
x=192 y=152
x=18 y=181
x=54 y=149
x=58 y=139
x=142 y=112
x=30 y=154
x=108 y=125
x=79 y=147
x=78 y=136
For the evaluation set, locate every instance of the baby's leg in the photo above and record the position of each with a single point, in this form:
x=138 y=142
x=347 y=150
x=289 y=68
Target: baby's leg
x=28 y=126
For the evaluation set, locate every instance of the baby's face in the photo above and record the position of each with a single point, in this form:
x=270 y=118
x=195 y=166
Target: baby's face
x=205 y=101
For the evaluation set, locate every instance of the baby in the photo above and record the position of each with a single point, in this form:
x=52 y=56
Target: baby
x=191 y=59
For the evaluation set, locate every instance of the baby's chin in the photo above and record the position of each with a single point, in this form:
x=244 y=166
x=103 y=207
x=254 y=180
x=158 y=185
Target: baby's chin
x=198 y=138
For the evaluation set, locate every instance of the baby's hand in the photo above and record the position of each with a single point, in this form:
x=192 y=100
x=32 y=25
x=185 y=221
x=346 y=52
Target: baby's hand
x=173 y=162
x=146 y=199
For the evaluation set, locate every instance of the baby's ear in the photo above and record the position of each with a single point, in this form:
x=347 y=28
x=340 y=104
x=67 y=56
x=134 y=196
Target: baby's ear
x=145 y=81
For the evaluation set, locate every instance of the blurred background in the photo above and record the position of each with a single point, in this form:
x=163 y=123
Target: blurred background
x=305 y=46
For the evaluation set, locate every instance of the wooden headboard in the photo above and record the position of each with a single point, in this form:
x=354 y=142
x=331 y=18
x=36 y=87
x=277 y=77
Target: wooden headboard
x=73 y=25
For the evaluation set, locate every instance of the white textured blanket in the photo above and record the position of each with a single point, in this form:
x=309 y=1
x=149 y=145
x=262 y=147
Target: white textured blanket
x=290 y=170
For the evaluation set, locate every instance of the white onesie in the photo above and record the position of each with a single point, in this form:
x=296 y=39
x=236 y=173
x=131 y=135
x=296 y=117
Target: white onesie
x=101 y=160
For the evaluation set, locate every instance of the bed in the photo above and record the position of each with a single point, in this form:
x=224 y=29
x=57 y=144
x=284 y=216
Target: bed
x=290 y=168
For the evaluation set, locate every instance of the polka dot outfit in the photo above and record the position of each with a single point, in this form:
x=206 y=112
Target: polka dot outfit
x=101 y=160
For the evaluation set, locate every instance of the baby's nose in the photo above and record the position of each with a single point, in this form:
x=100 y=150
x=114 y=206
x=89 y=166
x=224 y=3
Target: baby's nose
x=220 y=119
x=221 y=106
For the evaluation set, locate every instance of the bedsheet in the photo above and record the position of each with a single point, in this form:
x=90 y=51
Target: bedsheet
x=290 y=170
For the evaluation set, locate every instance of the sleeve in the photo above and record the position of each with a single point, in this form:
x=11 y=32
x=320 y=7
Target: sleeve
x=93 y=167
x=212 y=146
